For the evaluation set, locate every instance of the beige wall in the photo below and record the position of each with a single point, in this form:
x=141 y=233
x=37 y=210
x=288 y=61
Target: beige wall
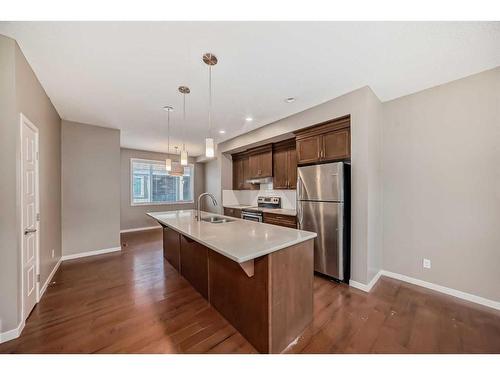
x=34 y=103
x=132 y=217
x=21 y=92
x=90 y=188
x=365 y=109
x=212 y=183
x=9 y=251
x=441 y=184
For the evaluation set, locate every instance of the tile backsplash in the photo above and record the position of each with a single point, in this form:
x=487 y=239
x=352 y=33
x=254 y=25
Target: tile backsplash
x=236 y=197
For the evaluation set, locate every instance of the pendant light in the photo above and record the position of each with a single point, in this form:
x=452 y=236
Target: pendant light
x=177 y=169
x=168 y=161
x=184 y=155
x=211 y=60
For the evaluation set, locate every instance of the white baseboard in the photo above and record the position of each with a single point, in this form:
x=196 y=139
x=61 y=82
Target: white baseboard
x=438 y=288
x=91 y=253
x=365 y=287
x=16 y=332
x=139 y=229
x=12 y=334
x=443 y=289
x=46 y=284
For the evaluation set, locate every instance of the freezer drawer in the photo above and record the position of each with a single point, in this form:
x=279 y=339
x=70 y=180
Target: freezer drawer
x=326 y=219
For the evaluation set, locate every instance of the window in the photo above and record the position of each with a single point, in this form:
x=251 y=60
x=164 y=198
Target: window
x=152 y=184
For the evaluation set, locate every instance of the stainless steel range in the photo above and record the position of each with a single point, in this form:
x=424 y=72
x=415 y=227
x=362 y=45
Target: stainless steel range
x=256 y=213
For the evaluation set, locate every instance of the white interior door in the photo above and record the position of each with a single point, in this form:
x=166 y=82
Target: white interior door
x=29 y=204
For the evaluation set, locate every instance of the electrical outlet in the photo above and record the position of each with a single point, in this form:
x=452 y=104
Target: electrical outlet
x=53 y=254
x=427 y=263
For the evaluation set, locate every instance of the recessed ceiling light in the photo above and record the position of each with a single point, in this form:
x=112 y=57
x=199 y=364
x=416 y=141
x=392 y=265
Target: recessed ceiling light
x=289 y=100
x=222 y=131
x=248 y=119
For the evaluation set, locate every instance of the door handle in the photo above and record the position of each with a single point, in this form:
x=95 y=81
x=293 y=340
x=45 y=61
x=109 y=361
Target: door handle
x=29 y=230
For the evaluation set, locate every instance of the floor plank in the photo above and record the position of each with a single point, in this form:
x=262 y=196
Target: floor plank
x=134 y=302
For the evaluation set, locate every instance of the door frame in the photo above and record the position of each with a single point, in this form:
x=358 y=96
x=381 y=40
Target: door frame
x=23 y=120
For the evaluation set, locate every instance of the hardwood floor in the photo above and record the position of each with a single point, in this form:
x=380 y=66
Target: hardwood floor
x=133 y=302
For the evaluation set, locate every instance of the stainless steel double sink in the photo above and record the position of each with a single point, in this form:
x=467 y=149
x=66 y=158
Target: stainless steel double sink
x=216 y=219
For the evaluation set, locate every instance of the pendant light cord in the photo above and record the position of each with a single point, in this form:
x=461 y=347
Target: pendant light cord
x=168 y=133
x=209 y=101
x=184 y=120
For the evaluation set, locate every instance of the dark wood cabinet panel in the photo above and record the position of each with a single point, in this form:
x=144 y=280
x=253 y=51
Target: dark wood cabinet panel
x=308 y=149
x=194 y=264
x=260 y=162
x=241 y=173
x=292 y=168
x=336 y=145
x=280 y=166
x=242 y=300
x=284 y=165
x=329 y=141
x=233 y=212
x=281 y=220
x=237 y=174
x=172 y=247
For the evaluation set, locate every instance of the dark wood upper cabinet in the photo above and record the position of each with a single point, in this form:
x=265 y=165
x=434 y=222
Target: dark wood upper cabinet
x=308 y=149
x=241 y=172
x=284 y=165
x=336 y=144
x=238 y=173
x=328 y=141
x=260 y=162
x=292 y=168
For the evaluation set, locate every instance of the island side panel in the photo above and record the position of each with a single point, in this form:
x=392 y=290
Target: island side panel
x=194 y=264
x=291 y=274
x=242 y=300
x=172 y=247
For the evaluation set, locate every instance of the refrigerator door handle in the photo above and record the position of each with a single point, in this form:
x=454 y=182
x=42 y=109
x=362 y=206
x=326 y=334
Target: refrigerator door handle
x=340 y=239
x=299 y=214
x=299 y=188
x=298 y=202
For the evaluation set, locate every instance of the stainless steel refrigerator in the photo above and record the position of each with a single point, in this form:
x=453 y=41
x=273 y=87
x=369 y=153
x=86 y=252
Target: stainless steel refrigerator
x=323 y=206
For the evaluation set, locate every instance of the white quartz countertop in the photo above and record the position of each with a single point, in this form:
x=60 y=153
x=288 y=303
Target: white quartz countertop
x=238 y=206
x=280 y=211
x=239 y=240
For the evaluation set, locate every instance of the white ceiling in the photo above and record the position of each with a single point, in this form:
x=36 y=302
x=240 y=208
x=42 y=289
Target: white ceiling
x=120 y=74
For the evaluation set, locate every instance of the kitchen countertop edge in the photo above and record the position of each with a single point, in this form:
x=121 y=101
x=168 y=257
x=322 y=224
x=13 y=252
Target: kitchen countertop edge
x=228 y=255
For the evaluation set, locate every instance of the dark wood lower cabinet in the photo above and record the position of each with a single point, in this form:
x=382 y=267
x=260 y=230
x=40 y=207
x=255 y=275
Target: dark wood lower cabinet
x=282 y=220
x=233 y=212
x=194 y=264
x=242 y=300
x=271 y=307
x=172 y=247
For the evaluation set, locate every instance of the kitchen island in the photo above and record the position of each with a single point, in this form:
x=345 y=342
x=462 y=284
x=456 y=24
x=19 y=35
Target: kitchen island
x=258 y=276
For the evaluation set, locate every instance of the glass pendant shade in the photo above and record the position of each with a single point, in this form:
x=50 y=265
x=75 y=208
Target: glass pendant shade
x=209 y=148
x=168 y=165
x=184 y=157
